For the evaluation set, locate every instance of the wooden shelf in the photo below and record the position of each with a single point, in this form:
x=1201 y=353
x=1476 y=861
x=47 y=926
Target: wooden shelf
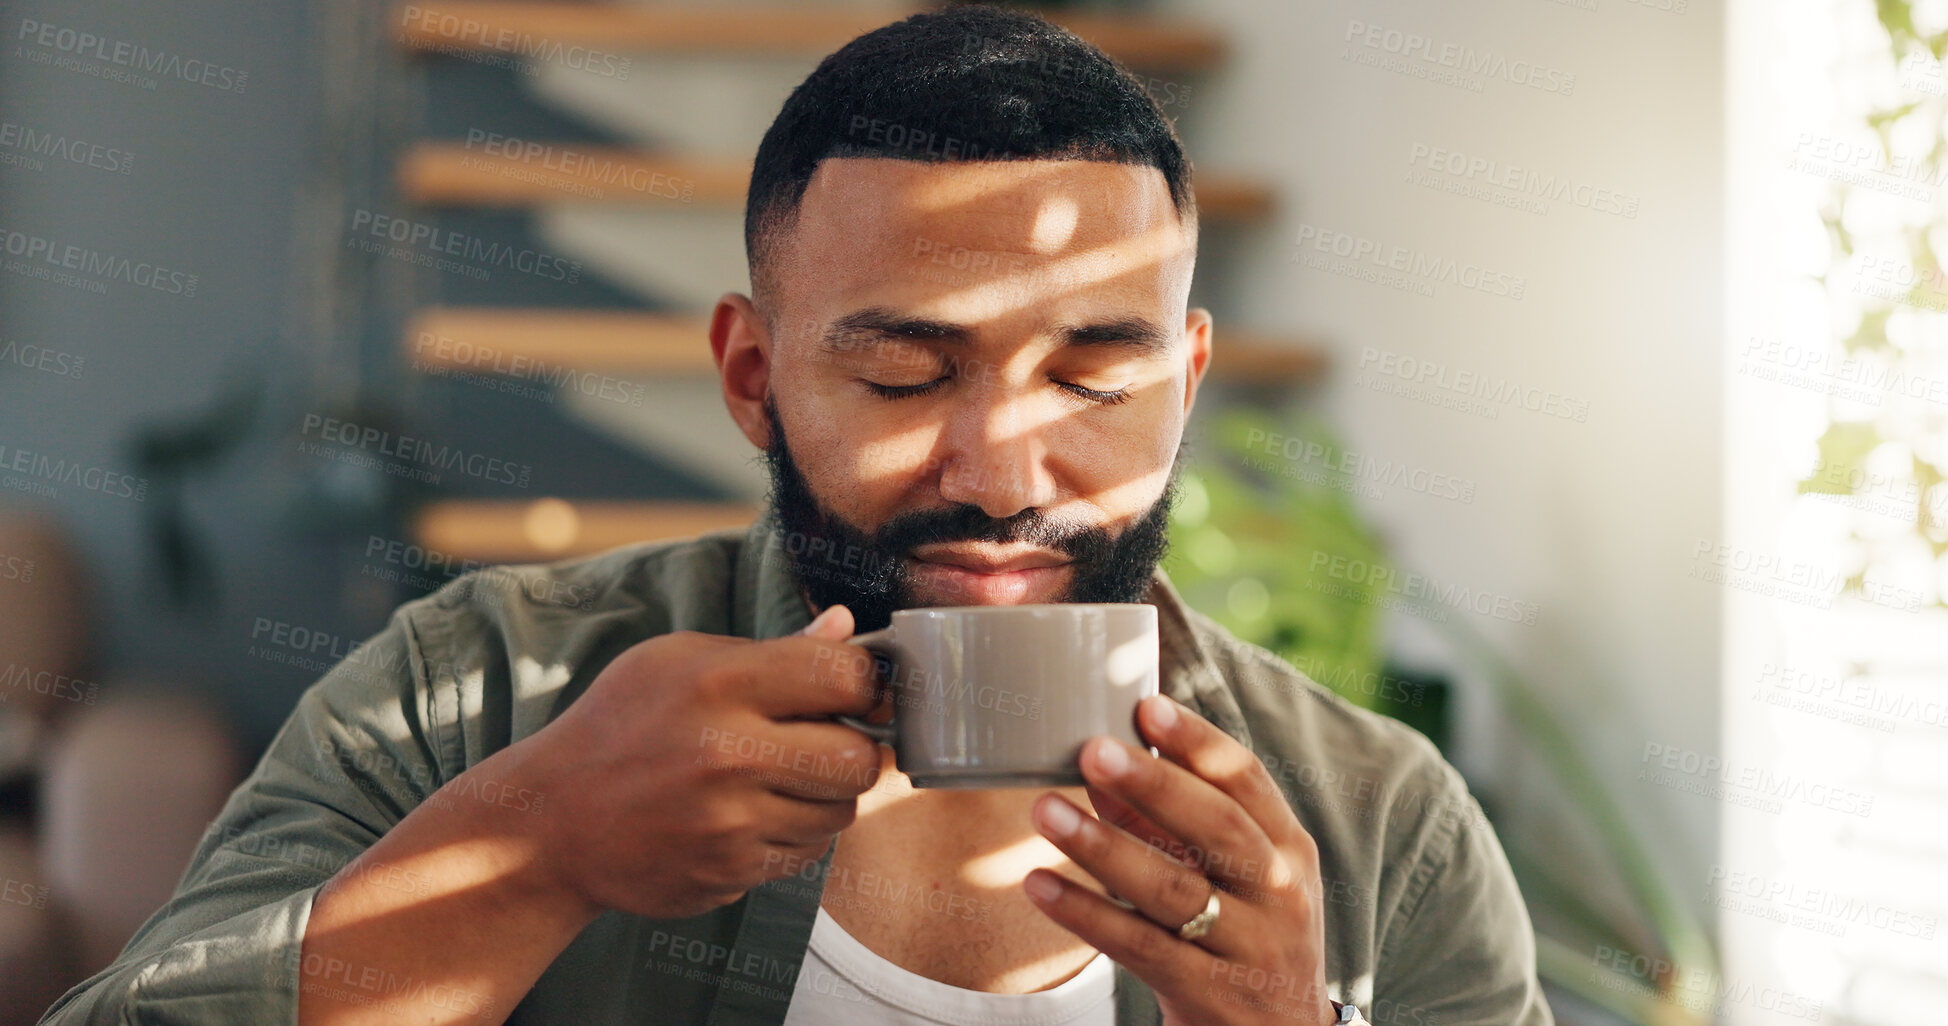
x=530 y=342
x=517 y=29
x=1246 y=358
x=450 y=174
x=505 y=531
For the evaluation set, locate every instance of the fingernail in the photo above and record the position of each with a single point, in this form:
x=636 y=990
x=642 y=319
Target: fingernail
x=1059 y=817
x=1163 y=712
x=1111 y=757
x=816 y=620
x=1042 y=887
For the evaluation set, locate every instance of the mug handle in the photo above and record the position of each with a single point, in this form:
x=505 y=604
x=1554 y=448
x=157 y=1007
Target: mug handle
x=880 y=644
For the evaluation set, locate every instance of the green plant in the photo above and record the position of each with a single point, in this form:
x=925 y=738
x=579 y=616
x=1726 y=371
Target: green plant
x=1265 y=539
x=1247 y=536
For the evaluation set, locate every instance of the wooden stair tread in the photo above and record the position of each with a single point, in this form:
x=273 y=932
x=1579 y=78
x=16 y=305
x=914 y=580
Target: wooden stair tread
x=521 y=530
x=490 y=340
x=520 y=29
x=453 y=174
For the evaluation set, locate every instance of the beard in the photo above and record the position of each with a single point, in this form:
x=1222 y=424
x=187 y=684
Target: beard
x=837 y=563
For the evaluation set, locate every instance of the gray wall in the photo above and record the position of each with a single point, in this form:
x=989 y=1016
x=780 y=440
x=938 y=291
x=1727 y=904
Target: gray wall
x=208 y=191
x=255 y=190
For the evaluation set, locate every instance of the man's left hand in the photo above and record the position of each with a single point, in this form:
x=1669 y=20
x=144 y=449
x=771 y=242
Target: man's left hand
x=1204 y=818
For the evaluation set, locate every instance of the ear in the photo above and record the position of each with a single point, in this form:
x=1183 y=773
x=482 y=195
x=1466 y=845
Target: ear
x=741 y=345
x=1197 y=330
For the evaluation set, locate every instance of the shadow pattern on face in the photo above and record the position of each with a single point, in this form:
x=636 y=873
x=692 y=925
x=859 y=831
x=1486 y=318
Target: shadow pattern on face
x=867 y=572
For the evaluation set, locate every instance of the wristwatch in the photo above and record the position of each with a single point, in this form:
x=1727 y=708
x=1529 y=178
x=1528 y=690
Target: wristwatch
x=1349 y=1014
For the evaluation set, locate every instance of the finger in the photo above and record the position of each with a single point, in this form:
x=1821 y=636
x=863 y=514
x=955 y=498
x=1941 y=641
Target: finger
x=833 y=623
x=797 y=823
x=1114 y=810
x=811 y=760
x=1157 y=956
x=847 y=759
x=1221 y=837
x=1198 y=745
x=782 y=860
x=805 y=678
x=1162 y=889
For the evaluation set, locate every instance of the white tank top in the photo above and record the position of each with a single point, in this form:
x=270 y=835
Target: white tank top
x=843 y=983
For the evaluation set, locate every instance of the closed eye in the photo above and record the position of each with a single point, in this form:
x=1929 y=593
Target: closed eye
x=1121 y=395
x=905 y=391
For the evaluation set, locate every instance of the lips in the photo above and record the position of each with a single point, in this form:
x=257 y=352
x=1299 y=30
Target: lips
x=980 y=564
x=962 y=577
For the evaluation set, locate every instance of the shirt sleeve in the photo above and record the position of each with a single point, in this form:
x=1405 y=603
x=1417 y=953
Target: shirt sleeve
x=351 y=761
x=1460 y=950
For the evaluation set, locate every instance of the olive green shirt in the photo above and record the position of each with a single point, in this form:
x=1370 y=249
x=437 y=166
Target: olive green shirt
x=1423 y=923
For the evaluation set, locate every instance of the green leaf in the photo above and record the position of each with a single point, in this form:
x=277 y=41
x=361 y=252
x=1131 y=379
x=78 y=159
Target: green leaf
x=1842 y=450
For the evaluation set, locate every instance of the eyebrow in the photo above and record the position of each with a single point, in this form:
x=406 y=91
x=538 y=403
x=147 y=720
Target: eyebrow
x=876 y=325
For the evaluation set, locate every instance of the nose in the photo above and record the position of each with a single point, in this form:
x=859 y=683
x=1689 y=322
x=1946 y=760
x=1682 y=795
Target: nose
x=996 y=457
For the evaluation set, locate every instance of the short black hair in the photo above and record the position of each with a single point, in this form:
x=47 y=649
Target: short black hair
x=967 y=82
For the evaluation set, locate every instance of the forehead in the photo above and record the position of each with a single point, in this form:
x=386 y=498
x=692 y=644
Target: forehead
x=1045 y=224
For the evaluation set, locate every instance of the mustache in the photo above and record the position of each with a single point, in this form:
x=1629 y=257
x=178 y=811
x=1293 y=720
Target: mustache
x=967 y=522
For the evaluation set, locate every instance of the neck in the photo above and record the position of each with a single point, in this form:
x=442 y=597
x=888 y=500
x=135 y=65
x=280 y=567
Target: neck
x=980 y=812
x=982 y=840
x=931 y=881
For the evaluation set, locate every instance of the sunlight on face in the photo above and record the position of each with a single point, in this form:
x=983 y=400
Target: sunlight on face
x=1008 y=334
x=1055 y=224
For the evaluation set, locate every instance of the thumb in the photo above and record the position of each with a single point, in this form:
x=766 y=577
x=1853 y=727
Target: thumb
x=833 y=623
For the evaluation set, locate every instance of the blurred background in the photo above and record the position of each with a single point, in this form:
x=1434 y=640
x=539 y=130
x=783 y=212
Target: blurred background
x=1580 y=397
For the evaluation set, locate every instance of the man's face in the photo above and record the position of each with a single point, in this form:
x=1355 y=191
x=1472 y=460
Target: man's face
x=978 y=384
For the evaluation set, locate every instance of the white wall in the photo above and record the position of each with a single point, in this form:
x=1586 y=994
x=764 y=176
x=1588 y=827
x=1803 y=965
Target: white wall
x=1594 y=522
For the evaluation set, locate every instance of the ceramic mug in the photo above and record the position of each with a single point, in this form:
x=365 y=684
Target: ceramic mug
x=1004 y=696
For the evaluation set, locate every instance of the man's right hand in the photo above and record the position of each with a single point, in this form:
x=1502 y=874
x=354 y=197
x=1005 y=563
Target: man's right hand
x=685 y=775
x=697 y=766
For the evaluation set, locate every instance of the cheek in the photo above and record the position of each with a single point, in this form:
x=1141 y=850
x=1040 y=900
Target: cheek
x=1139 y=436
x=1119 y=464
x=1128 y=492
x=887 y=458
x=863 y=470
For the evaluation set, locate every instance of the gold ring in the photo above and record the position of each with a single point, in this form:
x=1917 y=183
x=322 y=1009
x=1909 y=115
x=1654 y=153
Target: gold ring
x=1200 y=924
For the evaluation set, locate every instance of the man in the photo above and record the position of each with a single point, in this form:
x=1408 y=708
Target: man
x=608 y=790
